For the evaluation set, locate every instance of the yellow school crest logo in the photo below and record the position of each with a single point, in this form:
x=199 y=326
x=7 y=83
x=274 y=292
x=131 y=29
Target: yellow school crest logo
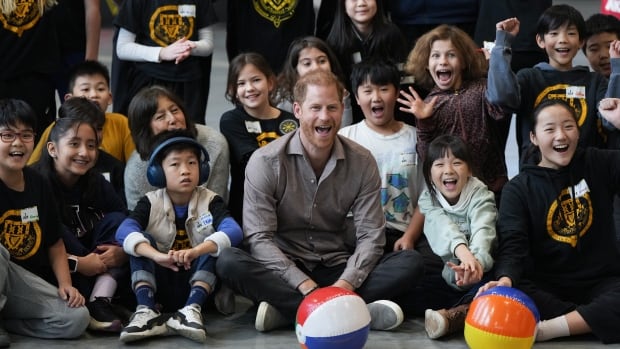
x=568 y=218
x=287 y=126
x=574 y=95
x=25 y=16
x=21 y=239
x=275 y=11
x=168 y=25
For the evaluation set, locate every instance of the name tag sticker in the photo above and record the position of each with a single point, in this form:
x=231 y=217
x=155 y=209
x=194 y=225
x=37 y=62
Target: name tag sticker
x=203 y=221
x=576 y=92
x=581 y=188
x=408 y=159
x=30 y=214
x=253 y=126
x=187 y=10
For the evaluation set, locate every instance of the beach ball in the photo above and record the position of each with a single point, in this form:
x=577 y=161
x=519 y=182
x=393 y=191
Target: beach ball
x=332 y=318
x=501 y=317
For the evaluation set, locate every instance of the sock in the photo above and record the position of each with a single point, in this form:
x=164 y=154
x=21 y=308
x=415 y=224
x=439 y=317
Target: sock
x=554 y=328
x=145 y=296
x=105 y=286
x=197 y=295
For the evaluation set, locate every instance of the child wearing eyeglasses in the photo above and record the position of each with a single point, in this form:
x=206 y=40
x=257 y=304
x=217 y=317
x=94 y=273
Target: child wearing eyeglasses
x=41 y=301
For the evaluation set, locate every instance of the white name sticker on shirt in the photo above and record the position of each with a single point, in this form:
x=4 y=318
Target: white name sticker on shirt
x=253 y=127
x=581 y=188
x=203 y=221
x=576 y=92
x=408 y=159
x=187 y=10
x=357 y=57
x=30 y=214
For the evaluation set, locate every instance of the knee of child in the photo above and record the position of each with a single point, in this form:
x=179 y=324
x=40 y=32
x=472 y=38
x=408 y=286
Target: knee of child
x=73 y=322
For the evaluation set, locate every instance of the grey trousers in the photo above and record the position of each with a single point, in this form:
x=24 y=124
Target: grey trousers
x=31 y=306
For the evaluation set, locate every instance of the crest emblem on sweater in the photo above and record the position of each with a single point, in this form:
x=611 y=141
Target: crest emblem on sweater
x=275 y=11
x=167 y=25
x=568 y=219
x=573 y=95
x=25 y=16
x=22 y=238
x=287 y=126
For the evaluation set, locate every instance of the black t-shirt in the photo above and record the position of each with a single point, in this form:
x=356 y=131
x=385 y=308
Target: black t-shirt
x=70 y=23
x=161 y=23
x=29 y=223
x=267 y=27
x=245 y=134
x=28 y=43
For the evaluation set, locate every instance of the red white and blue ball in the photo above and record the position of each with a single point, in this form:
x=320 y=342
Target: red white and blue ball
x=332 y=318
x=501 y=317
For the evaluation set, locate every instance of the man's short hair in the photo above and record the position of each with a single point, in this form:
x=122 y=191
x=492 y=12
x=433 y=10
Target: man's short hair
x=316 y=78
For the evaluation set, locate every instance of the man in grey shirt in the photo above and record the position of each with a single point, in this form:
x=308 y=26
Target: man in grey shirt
x=299 y=190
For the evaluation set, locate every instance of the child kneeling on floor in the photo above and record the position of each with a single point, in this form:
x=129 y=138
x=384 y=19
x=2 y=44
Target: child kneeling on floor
x=173 y=236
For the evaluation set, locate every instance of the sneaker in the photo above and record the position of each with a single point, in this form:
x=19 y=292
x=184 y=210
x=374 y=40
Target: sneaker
x=187 y=322
x=5 y=340
x=439 y=323
x=385 y=315
x=102 y=316
x=144 y=323
x=269 y=318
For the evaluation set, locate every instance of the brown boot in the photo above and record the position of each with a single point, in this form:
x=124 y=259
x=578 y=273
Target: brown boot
x=439 y=323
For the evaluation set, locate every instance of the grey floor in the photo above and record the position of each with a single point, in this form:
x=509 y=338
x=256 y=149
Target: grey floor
x=237 y=331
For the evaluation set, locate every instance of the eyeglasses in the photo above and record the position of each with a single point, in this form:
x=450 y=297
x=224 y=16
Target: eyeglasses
x=9 y=137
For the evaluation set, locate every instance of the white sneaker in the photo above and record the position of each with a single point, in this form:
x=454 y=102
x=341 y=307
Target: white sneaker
x=144 y=323
x=385 y=315
x=188 y=322
x=439 y=323
x=269 y=318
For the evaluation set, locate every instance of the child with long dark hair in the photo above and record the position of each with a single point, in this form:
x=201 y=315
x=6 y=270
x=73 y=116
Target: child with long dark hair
x=90 y=210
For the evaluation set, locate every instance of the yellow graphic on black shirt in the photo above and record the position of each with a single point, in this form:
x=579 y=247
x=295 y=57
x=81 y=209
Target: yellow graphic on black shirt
x=287 y=126
x=559 y=92
x=25 y=16
x=181 y=241
x=565 y=222
x=167 y=26
x=21 y=239
x=276 y=11
x=265 y=137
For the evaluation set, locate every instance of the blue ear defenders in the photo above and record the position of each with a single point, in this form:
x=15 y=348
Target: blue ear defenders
x=155 y=173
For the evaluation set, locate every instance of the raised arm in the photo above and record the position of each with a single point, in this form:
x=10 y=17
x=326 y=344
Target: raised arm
x=502 y=84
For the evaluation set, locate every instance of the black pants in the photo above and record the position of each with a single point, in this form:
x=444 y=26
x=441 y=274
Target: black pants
x=395 y=275
x=598 y=302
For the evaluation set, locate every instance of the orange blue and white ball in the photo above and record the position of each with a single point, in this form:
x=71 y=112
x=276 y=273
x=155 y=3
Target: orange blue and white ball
x=332 y=318
x=501 y=317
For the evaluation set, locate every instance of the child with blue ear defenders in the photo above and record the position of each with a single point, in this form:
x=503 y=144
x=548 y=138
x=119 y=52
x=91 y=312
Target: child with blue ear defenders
x=172 y=237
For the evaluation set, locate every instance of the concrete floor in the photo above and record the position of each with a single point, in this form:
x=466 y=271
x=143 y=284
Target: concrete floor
x=237 y=331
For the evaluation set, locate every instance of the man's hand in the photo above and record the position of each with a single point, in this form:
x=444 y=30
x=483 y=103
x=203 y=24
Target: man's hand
x=344 y=284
